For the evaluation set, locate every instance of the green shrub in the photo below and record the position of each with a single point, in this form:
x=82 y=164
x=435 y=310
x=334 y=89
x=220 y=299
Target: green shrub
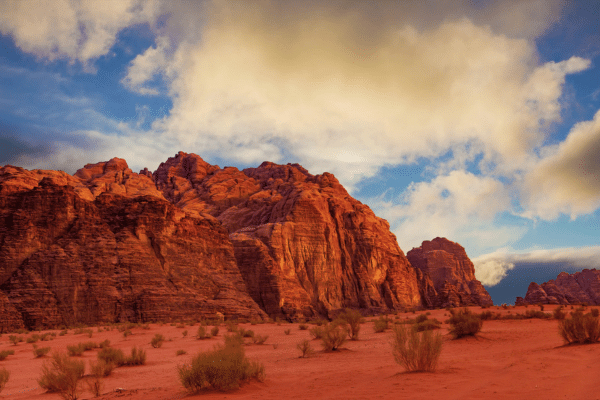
x=101 y=368
x=6 y=353
x=14 y=339
x=75 y=350
x=4 y=375
x=137 y=357
x=333 y=337
x=352 y=318
x=40 y=351
x=112 y=356
x=201 y=333
x=304 y=347
x=416 y=351
x=214 y=331
x=464 y=323
x=580 y=328
x=157 y=340
x=62 y=375
x=380 y=325
x=223 y=368
x=33 y=338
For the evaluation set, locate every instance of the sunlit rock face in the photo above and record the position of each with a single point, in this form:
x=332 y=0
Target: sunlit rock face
x=451 y=272
x=576 y=288
x=192 y=240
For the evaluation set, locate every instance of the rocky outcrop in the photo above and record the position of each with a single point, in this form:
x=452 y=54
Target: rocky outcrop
x=451 y=272
x=303 y=244
x=577 y=288
x=192 y=239
x=65 y=259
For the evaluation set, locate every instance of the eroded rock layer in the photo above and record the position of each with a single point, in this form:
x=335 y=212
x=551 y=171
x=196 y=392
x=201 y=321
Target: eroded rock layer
x=577 y=288
x=451 y=272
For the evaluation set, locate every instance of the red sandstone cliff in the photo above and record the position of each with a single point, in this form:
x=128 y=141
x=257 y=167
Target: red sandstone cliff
x=192 y=239
x=579 y=287
x=452 y=274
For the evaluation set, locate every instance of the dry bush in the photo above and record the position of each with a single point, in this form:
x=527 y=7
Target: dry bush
x=4 y=375
x=62 y=375
x=259 y=339
x=416 y=351
x=137 y=357
x=6 y=353
x=214 y=331
x=223 y=368
x=184 y=333
x=113 y=356
x=595 y=312
x=316 y=332
x=14 y=339
x=427 y=325
x=231 y=326
x=580 y=328
x=180 y=352
x=333 y=337
x=40 y=351
x=201 y=333
x=247 y=333
x=305 y=348
x=95 y=383
x=104 y=344
x=303 y=327
x=75 y=350
x=157 y=340
x=536 y=314
x=381 y=324
x=287 y=331
x=101 y=368
x=464 y=323
x=353 y=319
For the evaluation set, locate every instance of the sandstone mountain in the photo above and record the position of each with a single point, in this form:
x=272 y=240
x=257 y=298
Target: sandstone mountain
x=452 y=274
x=579 y=287
x=191 y=240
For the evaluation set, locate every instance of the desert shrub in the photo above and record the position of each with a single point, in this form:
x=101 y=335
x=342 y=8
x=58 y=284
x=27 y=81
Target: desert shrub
x=427 y=325
x=6 y=353
x=249 y=333
x=487 y=315
x=75 y=350
x=181 y=326
x=464 y=323
x=63 y=332
x=184 y=333
x=97 y=372
x=157 y=340
x=180 y=352
x=127 y=332
x=231 y=326
x=201 y=333
x=47 y=336
x=14 y=339
x=595 y=312
x=4 y=375
x=333 y=337
x=33 y=338
x=62 y=375
x=214 y=331
x=287 y=331
x=101 y=368
x=305 y=348
x=352 y=318
x=104 y=344
x=421 y=318
x=223 y=368
x=137 y=357
x=234 y=339
x=318 y=322
x=541 y=307
x=416 y=351
x=112 y=356
x=260 y=339
x=316 y=332
x=380 y=325
x=536 y=314
x=303 y=327
x=580 y=328
x=40 y=351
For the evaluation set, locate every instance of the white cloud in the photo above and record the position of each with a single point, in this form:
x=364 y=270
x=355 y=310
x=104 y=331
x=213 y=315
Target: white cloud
x=146 y=67
x=491 y=272
x=72 y=29
x=566 y=179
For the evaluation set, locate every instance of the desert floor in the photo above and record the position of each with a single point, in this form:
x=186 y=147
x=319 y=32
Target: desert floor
x=509 y=359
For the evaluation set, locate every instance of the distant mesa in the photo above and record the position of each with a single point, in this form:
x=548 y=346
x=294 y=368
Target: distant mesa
x=576 y=288
x=191 y=240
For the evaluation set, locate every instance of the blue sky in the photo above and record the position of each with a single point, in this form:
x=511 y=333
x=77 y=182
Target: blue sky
x=473 y=120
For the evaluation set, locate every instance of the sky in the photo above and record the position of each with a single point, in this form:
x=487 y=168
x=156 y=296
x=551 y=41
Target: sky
x=478 y=121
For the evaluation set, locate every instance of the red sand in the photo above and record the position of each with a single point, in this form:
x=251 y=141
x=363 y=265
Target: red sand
x=509 y=359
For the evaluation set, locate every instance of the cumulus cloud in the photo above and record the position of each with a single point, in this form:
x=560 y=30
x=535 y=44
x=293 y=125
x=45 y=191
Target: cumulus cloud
x=491 y=268
x=77 y=30
x=460 y=206
x=567 y=177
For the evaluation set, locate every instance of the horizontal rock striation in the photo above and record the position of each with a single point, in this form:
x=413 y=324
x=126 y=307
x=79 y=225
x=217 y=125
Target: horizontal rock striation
x=451 y=272
x=577 y=288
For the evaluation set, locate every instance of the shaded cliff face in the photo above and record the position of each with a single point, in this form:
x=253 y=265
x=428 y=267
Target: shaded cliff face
x=451 y=272
x=303 y=245
x=67 y=259
x=579 y=287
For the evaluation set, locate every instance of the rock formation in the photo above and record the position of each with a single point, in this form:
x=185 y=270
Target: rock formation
x=451 y=272
x=577 y=288
x=192 y=239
